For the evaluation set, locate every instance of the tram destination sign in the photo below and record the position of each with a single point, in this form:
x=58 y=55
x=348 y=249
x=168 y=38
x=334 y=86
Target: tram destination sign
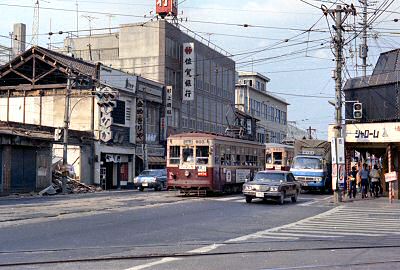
x=370 y=132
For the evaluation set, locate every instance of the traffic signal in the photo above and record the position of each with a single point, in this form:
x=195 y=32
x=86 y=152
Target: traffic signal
x=357 y=110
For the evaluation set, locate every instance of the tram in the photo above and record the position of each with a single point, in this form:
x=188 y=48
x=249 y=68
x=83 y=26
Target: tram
x=200 y=163
x=278 y=156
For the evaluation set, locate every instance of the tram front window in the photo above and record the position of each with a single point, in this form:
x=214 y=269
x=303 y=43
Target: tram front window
x=187 y=154
x=202 y=155
x=278 y=158
x=174 y=154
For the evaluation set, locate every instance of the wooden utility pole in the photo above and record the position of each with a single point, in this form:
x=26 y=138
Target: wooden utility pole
x=65 y=135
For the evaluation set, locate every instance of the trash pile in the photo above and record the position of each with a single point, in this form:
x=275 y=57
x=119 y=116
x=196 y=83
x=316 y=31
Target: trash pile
x=73 y=186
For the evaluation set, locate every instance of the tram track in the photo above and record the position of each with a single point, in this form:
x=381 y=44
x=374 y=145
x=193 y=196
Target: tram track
x=182 y=255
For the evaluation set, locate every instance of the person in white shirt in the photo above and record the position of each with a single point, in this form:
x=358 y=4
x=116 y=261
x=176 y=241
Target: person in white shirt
x=375 y=178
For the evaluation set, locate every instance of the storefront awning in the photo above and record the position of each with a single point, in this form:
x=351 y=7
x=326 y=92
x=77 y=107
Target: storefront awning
x=157 y=160
x=154 y=160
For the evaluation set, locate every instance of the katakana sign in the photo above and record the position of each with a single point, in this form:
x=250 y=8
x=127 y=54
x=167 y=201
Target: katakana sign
x=188 y=71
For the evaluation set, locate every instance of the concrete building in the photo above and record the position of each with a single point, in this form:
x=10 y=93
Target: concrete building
x=253 y=98
x=154 y=50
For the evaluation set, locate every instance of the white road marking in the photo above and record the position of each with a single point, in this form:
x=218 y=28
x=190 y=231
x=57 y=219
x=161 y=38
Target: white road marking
x=147 y=265
x=205 y=249
x=227 y=198
x=260 y=233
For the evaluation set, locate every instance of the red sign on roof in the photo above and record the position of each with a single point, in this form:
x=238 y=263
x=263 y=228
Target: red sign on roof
x=167 y=7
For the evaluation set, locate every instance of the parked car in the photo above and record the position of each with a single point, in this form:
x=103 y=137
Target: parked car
x=269 y=184
x=156 y=179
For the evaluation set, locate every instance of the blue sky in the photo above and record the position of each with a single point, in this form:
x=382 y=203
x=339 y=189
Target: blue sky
x=308 y=72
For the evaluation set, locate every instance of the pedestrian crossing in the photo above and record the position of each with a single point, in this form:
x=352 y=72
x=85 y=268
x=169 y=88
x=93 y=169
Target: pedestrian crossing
x=300 y=202
x=342 y=221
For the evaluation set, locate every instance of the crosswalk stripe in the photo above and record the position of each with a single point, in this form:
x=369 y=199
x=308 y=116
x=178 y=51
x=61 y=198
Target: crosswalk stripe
x=297 y=234
x=355 y=228
x=332 y=232
x=340 y=222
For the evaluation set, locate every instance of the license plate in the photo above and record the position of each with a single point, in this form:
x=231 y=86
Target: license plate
x=260 y=194
x=145 y=184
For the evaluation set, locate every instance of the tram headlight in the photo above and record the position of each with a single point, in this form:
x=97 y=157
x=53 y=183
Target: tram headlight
x=187 y=173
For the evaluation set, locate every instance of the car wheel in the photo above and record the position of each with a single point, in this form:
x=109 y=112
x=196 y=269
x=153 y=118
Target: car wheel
x=249 y=199
x=141 y=188
x=281 y=199
x=294 y=197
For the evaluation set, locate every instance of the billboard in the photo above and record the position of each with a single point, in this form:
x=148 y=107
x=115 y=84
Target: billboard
x=118 y=79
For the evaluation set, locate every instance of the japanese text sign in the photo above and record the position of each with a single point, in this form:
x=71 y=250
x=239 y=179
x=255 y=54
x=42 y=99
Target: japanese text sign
x=168 y=102
x=188 y=71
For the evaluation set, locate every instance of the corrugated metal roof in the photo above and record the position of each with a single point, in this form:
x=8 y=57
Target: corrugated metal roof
x=81 y=66
x=386 y=71
x=77 y=64
x=387 y=62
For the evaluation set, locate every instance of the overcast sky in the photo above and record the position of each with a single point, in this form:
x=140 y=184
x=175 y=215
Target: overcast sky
x=276 y=29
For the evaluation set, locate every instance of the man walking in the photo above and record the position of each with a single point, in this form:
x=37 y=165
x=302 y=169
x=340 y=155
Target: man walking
x=375 y=178
x=364 y=174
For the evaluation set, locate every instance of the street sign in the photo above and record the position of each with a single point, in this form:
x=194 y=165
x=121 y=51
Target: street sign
x=392 y=176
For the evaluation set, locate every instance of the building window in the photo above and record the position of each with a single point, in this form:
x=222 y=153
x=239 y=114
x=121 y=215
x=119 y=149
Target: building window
x=277 y=116
x=258 y=85
x=118 y=113
x=271 y=113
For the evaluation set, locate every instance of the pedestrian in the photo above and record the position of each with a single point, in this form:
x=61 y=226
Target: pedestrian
x=352 y=190
x=364 y=175
x=375 y=179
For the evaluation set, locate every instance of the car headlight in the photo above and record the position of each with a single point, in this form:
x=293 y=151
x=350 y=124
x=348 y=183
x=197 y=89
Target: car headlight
x=274 y=188
x=246 y=187
x=135 y=180
x=318 y=179
x=153 y=179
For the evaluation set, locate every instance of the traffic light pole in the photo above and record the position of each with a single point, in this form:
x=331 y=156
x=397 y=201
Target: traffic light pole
x=65 y=135
x=336 y=15
x=338 y=90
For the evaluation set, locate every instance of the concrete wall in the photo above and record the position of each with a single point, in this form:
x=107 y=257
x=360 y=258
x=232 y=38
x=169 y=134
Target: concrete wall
x=52 y=111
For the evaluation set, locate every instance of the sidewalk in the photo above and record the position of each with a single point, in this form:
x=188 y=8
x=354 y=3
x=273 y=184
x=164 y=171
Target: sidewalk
x=380 y=202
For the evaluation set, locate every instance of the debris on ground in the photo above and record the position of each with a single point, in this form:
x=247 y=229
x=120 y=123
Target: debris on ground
x=73 y=185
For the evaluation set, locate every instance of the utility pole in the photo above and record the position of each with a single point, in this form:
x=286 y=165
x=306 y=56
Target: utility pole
x=337 y=16
x=145 y=111
x=309 y=132
x=364 y=46
x=66 y=126
x=35 y=26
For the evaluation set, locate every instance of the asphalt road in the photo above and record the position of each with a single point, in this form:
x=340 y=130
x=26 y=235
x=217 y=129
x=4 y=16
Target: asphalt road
x=152 y=230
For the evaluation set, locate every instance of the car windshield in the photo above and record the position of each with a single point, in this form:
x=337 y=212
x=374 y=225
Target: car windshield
x=269 y=177
x=307 y=163
x=150 y=173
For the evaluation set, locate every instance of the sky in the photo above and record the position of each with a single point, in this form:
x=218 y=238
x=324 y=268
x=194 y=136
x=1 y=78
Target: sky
x=275 y=43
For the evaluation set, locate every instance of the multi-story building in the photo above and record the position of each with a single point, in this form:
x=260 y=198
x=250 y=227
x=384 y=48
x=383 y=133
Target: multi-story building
x=155 y=50
x=253 y=98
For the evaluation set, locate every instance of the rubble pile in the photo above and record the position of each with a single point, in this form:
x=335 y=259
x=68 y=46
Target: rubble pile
x=73 y=186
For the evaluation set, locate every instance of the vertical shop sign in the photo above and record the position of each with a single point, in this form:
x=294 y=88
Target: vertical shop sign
x=188 y=70
x=168 y=102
